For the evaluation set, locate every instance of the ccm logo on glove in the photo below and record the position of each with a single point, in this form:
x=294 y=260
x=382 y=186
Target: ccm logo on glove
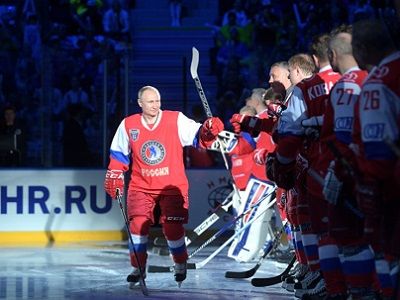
x=114 y=180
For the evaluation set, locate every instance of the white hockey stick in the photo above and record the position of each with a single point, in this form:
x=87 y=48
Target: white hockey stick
x=202 y=263
x=193 y=71
x=228 y=202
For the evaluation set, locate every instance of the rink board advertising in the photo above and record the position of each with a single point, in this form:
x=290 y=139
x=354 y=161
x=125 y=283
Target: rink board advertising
x=70 y=205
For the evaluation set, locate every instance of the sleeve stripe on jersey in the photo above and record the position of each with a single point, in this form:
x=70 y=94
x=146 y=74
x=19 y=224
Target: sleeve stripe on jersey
x=119 y=156
x=196 y=140
x=249 y=139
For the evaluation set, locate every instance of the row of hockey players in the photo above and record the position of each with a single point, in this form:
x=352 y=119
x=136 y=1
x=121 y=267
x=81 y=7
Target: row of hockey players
x=336 y=161
x=335 y=164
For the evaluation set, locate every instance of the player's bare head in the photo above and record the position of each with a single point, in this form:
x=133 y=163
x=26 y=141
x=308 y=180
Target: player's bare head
x=148 y=89
x=257 y=94
x=248 y=110
x=149 y=100
x=371 y=42
x=279 y=76
x=281 y=64
x=340 y=51
x=319 y=49
x=256 y=99
x=301 y=66
x=340 y=29
x=270 y=96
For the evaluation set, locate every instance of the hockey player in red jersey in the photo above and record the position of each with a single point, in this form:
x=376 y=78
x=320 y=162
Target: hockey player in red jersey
x=379 y=115
x=354 y=273
x=298 y=140
x=153 y=141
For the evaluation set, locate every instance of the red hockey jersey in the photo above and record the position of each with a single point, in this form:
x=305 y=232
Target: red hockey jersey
x=156 y=153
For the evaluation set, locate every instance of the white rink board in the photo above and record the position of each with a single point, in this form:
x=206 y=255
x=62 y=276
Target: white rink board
x=68 y=200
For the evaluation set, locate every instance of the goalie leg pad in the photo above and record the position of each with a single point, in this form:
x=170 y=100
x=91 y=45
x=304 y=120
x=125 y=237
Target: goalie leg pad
x=250 y=241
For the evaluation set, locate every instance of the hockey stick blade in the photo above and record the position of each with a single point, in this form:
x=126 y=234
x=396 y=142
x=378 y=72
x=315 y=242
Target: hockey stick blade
x=267 y=281
x=167 y=269
x=253 y=270
x=195 y=63
x=193 y=71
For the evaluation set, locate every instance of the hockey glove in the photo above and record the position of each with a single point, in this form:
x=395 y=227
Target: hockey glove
x=236 y=120
x=260 y=156
x=114 y=180
x=283 y=175
x=252 y=125
x=275 y=109
x=312 y=127
x=332 y=185
x=209 y=131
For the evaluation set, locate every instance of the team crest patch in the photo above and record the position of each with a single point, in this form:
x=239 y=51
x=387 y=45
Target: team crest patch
x=134 y=133
x=152 y=152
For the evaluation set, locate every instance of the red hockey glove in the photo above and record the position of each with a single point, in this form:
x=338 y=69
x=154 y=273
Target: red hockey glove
x=236 y=120
x=209 y=131
x=260 y=156
x=284 y=175
x=252 y=125
x=114 y=180
x=275 y=109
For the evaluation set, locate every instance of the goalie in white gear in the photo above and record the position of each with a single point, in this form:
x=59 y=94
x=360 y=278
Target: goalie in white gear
x=251 y=188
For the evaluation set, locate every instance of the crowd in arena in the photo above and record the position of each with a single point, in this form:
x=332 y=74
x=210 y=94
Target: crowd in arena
x=51 y=55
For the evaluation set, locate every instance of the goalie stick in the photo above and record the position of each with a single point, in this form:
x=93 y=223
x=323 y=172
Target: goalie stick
x=142 y=283
x=199 y=230
x=233 y=222
x=267 y=250
x=267 y=281
x=202 y=263
x=162 y=269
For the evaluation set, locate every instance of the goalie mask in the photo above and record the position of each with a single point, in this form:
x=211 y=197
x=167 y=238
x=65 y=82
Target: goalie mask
x=226 y=142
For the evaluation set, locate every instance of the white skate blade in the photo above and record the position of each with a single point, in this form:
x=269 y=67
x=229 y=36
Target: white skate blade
x=134 y=285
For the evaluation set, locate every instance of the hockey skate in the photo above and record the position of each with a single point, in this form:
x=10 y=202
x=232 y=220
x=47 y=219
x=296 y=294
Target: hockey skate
x=134 y=277
x=313 y=283
x=297 y=276
x=180 y=272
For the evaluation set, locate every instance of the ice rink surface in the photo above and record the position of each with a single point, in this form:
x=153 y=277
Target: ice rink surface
x=98 y=271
